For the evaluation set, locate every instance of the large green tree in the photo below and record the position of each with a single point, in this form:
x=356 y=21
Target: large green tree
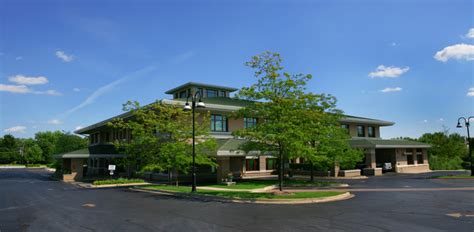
x=161 y=137
x=292 y=123
x=447 y=150
x=48 y=140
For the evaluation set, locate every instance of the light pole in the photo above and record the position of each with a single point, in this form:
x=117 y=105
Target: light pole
x=466 y=123
x=192 y=107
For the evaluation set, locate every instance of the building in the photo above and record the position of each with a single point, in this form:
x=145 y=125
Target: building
x=403 y=156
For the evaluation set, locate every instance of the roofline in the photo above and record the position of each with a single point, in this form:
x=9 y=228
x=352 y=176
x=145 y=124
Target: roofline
x=355 y=119
x=231 y=89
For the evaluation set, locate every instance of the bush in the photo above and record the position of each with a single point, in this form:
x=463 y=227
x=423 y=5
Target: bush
x=117 y=181
x=33 y=165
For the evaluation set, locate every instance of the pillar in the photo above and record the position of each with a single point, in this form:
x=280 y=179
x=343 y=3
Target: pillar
x=370 y=158
x=223 y=168
x=262 y=163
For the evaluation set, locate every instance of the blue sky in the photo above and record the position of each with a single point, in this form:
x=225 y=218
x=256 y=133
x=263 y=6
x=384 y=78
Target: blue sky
x=68 y=64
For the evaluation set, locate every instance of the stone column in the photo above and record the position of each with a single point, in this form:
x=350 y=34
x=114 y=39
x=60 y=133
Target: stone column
x=370 y=158
x=262 y=163
x=223 y=168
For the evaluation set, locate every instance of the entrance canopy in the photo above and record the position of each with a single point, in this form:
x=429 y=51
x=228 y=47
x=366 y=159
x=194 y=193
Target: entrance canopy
x=386 y=143
x=85 y=153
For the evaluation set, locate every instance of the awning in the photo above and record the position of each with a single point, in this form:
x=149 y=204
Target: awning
x=386 y=143
x=84 y=153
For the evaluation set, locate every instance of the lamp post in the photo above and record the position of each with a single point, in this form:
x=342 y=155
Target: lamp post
x=192 y=107
x=466 y=123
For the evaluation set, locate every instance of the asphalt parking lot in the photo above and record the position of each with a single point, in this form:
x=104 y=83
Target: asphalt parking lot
x=30 y=201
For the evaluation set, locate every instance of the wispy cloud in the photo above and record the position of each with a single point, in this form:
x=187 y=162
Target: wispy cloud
x=388 y=71
x=18 y=58
x=64 y=57
x=55 y=122
x=106 y=88
x=16 y=129
x=76 y=90
x=183 y=57
x=456 y=52
x=470 y=92
x=389 y=90
x=25 y=80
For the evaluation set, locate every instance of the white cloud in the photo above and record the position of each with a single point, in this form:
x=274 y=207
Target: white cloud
x=470 y=33
x=24 y=89
x=18 y=58
x=457 y=52
x=15 y=88
x=389 y=90
x=441 y=120
x=76 y=89
x=25 y=80
x=425 y=121
x=63 y=56
x=55 y=122
x=16 y=129
x=391 y=71
x=393 y=44
x=470 y=92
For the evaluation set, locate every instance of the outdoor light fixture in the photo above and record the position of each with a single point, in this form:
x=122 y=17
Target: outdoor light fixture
x=192 y=107
x=466 y=123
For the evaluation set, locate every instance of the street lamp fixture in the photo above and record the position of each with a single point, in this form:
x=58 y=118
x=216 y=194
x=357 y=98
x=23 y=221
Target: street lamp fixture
x=466 y=123
x=192 y=107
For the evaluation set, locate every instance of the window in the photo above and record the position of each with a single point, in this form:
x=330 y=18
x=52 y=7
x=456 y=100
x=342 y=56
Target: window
x=360 y=131
x=251 y=164
x=201 y=92
x=419 y=159
x=346 y=127
x=371 y=131
x=211 y=93
x=222 y=94
x=183 y=94
x=218 y=123
x=410 y=160
x=250 y=122
x=271 y=163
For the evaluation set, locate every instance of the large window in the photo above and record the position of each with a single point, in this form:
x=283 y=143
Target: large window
x=183 y=94
x=218 y=123
x=222 y=94
x=346 y=127
x=371 y=131
x=211 y=93
x=251 y=165
x=271 y=163
x=360 y=131
x=250 y=122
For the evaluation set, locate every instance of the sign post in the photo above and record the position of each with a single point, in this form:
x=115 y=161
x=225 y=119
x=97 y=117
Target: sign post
x=111 y=169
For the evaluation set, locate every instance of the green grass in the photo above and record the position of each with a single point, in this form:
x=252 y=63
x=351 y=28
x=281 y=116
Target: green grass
x=117 y=181
x=243 y=195
x=455 y=177
x=264 y=183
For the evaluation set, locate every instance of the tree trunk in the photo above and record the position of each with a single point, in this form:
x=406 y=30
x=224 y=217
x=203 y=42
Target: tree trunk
x=177 y=178
x=312 y=171
x=170 y=176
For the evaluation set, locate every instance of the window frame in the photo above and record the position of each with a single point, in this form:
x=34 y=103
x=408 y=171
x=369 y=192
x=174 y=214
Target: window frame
x=212 y=90
x=363 y=131
x=223 y=120
x=250 y=121
x=369 y=134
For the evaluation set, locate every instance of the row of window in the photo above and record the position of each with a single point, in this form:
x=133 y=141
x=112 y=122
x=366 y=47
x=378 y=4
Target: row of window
x=254 y=164
x=208 y=93
x=219 y=123
x=361 y=130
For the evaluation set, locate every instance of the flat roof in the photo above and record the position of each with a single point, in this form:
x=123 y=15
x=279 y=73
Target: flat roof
x=197 y=84
x=84 y=153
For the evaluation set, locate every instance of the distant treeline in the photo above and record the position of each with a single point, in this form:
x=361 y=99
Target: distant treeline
x=40 y=149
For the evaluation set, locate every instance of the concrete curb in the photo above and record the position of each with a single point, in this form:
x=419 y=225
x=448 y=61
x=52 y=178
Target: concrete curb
x=340 y=197
x=91 y=186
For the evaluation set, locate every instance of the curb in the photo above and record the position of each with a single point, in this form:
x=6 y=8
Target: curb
x=91 y=186
x=340 y=197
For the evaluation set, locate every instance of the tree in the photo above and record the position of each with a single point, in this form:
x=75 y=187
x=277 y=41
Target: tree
x=67 y=142
x=292 y=123
x=31 y=152
x=447 y=150
x=161 y=137
x=48 y=140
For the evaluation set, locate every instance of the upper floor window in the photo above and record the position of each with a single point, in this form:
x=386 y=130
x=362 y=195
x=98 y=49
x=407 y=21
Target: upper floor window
x=222 y=94
x=371 y=131
x=360 y=131
x=183 y=94
x=211 y=93
x=201 y=92
x=218 y=123
x=250 y=122
x=346 y=127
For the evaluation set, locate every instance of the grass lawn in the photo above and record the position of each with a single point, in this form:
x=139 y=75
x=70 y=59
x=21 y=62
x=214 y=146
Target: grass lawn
x=117 y=181
x=243 y=195
x=455 y=177
x=264 y=183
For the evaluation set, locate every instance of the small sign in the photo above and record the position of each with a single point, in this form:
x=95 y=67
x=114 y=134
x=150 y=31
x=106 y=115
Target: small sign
x=111 y=167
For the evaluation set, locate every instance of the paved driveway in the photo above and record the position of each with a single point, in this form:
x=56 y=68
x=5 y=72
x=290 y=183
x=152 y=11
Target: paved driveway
x=31 y=202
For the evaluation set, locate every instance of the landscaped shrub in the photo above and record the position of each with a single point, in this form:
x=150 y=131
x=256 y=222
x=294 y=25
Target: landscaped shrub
x=117 y=181
x=33 y=165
